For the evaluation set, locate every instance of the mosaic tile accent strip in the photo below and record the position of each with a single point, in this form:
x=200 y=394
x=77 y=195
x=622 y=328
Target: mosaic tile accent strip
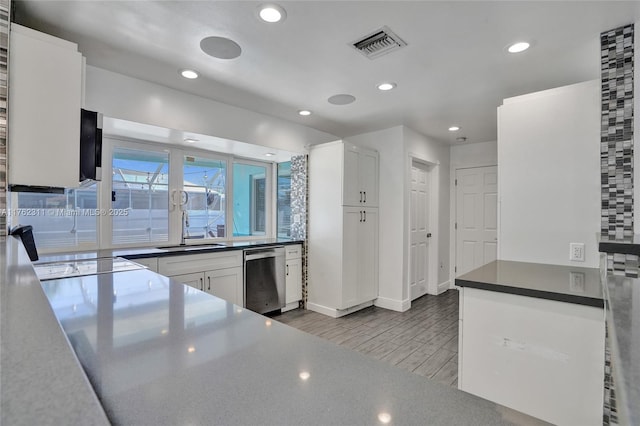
x=610 y=413
x=627 y=265
x=5 y=8
x=299 y=215
x=616 y=132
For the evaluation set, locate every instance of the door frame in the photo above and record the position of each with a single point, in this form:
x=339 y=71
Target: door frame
x=453 y=245
x=432 y=169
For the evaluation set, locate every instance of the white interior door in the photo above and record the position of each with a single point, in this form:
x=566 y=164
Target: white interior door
x=419 y=231
x=476 y=217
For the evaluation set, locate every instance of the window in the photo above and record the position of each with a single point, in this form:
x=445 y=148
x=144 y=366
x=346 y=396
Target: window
x=284 y=200
x=60 y=220
x=204 y=180
x=250 y=195
x=140 y=197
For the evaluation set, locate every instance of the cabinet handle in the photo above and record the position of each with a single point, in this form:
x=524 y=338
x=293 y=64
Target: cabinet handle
x=287 y=270
x=201 y=284
x=360 y=196
x=209 y=284
x=365 y=216
x=365 y=196
x=360 y=215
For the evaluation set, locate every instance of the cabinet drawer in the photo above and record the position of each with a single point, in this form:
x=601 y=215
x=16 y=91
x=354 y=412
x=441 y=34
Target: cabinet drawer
x=176 y=265
x=293 y=252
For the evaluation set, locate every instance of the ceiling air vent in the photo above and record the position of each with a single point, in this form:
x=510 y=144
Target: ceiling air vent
x=378 y=43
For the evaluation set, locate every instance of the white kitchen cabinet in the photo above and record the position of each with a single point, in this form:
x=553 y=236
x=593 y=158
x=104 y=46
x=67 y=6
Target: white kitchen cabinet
x=220 y=274
x=149 y=263
x=360 y=176
x=195 y=280
x=293 y=276
x=343 y=240
x=45 y=91
x=226 y=284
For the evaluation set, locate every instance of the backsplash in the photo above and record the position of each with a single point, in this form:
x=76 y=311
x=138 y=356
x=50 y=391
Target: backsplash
x=299 y=197
x=5 y=7
x=616 y=142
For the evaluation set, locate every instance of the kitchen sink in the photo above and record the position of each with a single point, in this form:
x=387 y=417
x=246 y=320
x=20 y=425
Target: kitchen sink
x=191 y=247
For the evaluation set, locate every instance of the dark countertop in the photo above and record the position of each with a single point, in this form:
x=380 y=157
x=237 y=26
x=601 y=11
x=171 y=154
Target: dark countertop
x=553 y=282
x=159 y=352
x=166 y=250
x=623 y=323
x=624 y=245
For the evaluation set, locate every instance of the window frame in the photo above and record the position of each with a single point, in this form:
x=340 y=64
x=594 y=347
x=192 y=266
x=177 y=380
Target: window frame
x=270 y=205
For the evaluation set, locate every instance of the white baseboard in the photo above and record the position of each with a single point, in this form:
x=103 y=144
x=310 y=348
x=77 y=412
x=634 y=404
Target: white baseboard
x=393 y=304
x=442 y=287
x=336 y=313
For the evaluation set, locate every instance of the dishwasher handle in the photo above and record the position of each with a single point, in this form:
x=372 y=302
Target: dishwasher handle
x=263 y=253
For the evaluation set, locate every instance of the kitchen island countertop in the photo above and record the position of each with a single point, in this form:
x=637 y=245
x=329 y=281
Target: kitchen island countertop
x=158 y=352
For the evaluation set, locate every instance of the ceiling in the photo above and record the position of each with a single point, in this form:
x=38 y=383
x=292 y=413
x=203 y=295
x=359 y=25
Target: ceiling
x=454 y=70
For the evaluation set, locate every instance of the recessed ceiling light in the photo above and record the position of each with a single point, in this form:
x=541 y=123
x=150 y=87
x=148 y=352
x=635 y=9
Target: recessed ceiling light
x=220 y=47
x=269 y=154
x=190 y=74
x=304 y=112
x=454 y=128
x=272 y=13
x=304 y=375
x=386 y=86
x=384 y=418
x=521 y=46
x=341 y=99
x=191 y=140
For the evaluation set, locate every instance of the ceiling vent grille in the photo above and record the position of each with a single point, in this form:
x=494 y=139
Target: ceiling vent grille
x=378 y=43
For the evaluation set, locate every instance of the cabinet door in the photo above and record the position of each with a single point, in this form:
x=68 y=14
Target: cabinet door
x=351 y=191
x=226 y=284
x=352 y=217
x=368 y=177
x=293 y=280
x=193 y=280
x=368 y=256
x=44 y=97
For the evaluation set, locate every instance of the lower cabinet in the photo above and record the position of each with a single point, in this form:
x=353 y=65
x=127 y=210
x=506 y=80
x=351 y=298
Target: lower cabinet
x=293 y=276
x=220 y=274
x=226 y=284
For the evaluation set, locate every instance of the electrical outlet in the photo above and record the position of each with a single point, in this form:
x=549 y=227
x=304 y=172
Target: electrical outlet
x=576 y=252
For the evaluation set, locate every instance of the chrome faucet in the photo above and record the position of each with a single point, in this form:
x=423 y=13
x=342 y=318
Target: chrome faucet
x=185 y=227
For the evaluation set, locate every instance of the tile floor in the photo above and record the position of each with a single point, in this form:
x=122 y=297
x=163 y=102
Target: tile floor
x=423 y=339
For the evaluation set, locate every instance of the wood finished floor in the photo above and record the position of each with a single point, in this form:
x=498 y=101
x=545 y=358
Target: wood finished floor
x=423 y=339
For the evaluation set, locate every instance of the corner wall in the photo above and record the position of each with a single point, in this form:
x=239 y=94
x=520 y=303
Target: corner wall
x=548 y=190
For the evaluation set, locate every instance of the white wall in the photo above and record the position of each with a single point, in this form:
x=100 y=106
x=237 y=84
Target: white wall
x=119 y=96
x=548 y=184
x=474 y=155
x=463 y=157
x=388 y=143
x=422 y=148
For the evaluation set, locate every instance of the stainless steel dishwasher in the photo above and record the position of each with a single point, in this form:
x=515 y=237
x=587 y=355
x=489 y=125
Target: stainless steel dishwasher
x=264 y=279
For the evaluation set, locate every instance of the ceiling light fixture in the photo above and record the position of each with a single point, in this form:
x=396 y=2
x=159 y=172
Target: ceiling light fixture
x=384 y=418
x=272 y=13
x=191 y=140
x=304 y=112
x=454 y=128
x=269 y=154
x=386 y=86
x=518 y=47
x=190 y=74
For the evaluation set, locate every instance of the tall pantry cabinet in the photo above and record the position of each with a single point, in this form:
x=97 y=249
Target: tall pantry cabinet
x=343 y=228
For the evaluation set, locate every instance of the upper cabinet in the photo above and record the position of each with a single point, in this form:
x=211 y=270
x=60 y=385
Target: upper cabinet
x=45 y=93
x=360 y=176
